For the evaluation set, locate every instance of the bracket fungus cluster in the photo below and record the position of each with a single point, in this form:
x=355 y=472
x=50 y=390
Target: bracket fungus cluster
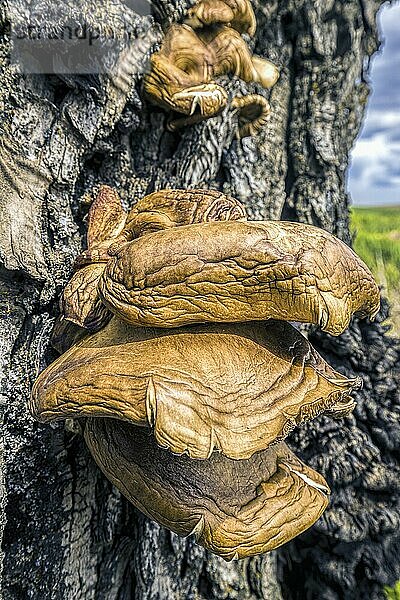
x=191 y=376
x=193 y=55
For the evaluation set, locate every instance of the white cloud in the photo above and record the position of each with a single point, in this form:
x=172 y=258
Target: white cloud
x=384 y=119
x=374 y=176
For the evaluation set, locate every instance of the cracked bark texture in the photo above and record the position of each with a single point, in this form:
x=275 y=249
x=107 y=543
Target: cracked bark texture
x=68 y=534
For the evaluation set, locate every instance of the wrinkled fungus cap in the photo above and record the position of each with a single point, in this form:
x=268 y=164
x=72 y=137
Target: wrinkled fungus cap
x=238 y=389
x=239 y=271
x=175 y=208
x=109 y=226
x=233 y=388
x=238 y=14
x=188 y=420
x=233 y=508
x=184 y=71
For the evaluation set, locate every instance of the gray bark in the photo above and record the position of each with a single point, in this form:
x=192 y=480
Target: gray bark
x=68 y=533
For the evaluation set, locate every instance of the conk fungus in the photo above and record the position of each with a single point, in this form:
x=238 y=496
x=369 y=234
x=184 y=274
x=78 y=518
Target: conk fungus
x=183 y=73
x=235 y=508
x=80 y=302
x=239 y=271
x=174 y=208
x=238 y=14
x=188 y=392
x=194 y=386
x=109 y=226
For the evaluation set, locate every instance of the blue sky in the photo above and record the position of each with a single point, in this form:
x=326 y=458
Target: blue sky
x=374 y=177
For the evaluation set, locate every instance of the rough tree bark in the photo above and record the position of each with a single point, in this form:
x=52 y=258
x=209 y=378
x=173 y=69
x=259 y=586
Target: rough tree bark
x=68 y=534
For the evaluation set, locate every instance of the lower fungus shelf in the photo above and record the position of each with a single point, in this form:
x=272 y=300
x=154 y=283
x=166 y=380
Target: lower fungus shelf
x=235 y=508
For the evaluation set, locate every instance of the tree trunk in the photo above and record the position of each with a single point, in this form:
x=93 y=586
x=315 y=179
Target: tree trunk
x=68 y=534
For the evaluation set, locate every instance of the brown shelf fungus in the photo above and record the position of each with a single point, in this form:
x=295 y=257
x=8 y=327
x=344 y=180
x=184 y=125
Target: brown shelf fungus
x=80 y=303
x=234 y=508
x=239 y=389
x=109 y=226
x=239 y=271
x=188 y=421
x=174 y=208
x=236 y=388
x=183 y=73
x=238 y=14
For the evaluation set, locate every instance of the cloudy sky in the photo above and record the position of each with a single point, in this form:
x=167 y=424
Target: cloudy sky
x=375 y=171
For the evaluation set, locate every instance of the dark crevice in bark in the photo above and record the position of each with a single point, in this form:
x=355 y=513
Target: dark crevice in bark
x=354 y=553
x=288 y=212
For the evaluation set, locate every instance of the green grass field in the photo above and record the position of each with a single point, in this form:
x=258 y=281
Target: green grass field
x=377 y=242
